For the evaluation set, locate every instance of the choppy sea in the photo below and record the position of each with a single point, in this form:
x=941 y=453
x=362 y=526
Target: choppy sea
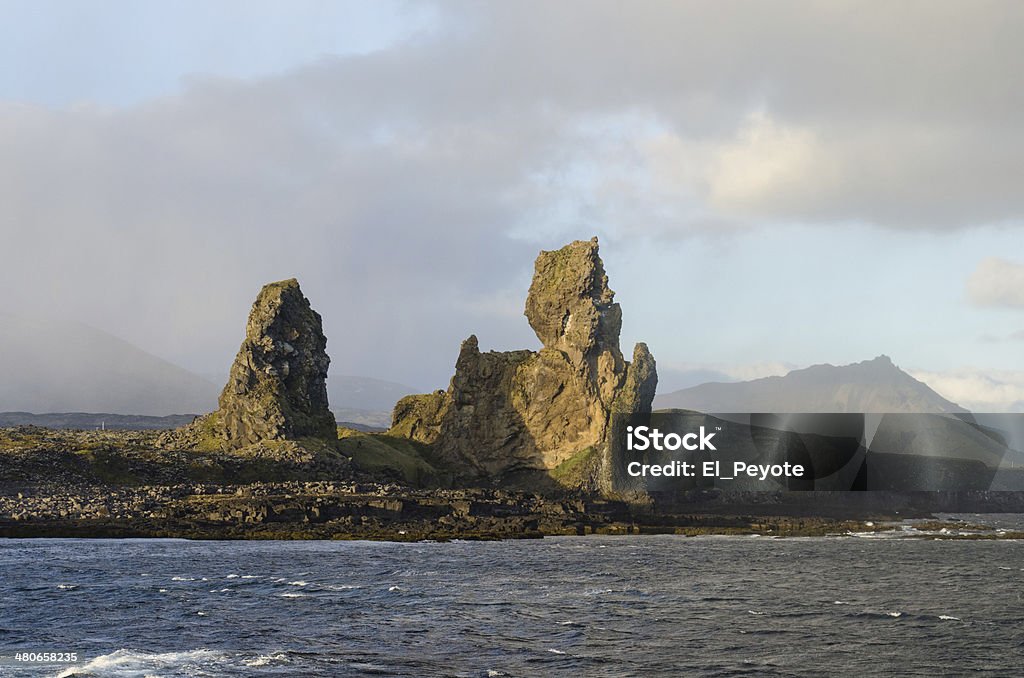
x=872 y=605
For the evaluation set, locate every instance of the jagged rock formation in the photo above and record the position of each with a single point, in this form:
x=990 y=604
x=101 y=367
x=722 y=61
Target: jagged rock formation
x=277 y=388
x=545 y=410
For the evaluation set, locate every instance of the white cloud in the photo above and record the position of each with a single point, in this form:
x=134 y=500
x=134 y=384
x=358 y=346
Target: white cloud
x=978 y=390
x=767 y=166
x=997 y=282
x=734 y=371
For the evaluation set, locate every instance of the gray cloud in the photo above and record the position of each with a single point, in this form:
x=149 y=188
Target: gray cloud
x=410 y=188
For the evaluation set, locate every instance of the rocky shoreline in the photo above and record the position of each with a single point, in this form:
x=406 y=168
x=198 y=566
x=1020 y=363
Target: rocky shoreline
x=351 y=510
x=61 y=483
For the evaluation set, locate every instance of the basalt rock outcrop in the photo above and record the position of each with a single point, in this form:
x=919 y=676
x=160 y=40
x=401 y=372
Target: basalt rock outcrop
x=277 y=387
x=552 y=410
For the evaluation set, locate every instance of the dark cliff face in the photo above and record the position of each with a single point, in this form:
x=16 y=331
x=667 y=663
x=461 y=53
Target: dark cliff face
x=525 y=410
x=277 y=388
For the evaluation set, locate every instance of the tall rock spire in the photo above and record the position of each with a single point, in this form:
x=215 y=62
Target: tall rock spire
x=277 y=388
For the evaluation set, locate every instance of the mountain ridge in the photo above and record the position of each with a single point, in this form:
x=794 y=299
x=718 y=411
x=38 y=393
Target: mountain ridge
x=52 y=365
x=60 y=370
x=875 y=386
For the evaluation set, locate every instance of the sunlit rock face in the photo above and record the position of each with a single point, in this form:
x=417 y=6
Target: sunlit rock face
x=545 y=410
x=277 y=387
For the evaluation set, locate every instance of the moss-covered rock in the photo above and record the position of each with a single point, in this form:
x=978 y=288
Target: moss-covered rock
x=277 y=388
x=418 y=417
x=515 y=412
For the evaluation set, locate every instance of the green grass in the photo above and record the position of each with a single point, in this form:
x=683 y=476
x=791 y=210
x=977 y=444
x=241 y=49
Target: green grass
x=577 y=470
x=210 y=437
x=14 y=440
x=389 y=456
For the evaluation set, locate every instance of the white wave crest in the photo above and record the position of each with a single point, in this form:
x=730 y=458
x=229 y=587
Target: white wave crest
x=266 y=659
x=126 y=663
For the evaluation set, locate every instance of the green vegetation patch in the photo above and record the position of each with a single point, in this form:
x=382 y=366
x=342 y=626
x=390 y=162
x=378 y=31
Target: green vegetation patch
x=209 y=429
x=22 y=438
x=579 y=470
x=389 y=456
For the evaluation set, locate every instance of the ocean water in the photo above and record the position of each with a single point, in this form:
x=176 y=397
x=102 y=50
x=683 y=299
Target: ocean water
x=575 y=606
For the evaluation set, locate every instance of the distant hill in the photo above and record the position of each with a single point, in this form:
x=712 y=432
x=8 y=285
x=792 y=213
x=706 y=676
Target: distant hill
x=360 y=420
x=869 y=386
x=363 y=393
x=51 y=366
x=59 y=366
x=365 y=403
x=86 y=421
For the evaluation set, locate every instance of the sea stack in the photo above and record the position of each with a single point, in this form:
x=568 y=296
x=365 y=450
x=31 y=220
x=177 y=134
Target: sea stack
x=277 y=387
x=550 y=410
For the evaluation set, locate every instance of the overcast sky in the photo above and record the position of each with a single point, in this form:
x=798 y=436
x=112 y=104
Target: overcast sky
x=774 y=184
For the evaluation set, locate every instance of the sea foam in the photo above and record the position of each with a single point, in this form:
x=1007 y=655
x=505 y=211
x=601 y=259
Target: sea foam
x=127 y=663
